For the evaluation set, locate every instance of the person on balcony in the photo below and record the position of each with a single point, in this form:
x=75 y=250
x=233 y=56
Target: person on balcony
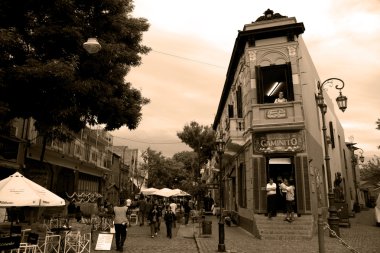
x=281 y=98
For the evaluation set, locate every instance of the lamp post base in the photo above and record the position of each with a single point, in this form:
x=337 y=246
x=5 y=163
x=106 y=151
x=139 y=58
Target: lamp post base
x=333 y=219
x=221 y=246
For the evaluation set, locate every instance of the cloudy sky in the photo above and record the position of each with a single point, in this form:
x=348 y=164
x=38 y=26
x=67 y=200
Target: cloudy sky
x=192 y=42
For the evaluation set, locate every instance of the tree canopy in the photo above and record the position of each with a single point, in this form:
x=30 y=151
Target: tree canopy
x=201 y=139
x=46 y=74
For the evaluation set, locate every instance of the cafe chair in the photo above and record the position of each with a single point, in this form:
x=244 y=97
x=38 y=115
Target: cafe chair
x=25 y=248
x=25 y=234
x=85 y=243
x=72 y=242
x=51 y=244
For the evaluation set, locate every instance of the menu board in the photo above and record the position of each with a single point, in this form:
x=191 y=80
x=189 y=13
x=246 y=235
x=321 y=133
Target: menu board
x=104 y=241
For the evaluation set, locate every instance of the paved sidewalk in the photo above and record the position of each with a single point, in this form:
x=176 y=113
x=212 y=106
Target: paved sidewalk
x=363 y=237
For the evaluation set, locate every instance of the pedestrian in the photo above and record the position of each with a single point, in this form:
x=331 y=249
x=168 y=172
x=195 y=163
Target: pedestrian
x=187 y=210
x=142 y=209
x=71 y=209
x=78 y=213
x=271 y=198
x=290 y=200
x=282 y=194
x=121 y=223
x=153 y=218
x=173 y=207
x=169 y=218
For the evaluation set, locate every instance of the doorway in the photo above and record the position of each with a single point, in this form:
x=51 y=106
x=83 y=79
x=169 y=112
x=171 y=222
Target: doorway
x=280 y=168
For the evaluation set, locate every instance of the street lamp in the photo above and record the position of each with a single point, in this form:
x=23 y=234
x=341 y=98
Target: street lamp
x=355 y=162
x=92 y=45
x=220 y=145
x=333 y=219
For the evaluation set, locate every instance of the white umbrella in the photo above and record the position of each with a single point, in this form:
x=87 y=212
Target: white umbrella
x=148 y=191
x=17 y=190
x=180 y=193
x=164 y=192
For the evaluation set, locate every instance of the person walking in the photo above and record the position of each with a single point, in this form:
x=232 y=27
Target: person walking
x=169 y=219
x=186 y=210
x=142 y=209
x=290 y=200
x=121 y=223
x=153 y=217
x=173 y=207
x=271 y=198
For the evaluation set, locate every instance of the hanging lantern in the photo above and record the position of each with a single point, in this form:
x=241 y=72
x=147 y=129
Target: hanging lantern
x=342 y=102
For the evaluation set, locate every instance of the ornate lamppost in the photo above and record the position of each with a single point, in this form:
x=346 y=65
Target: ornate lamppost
x=220 y=145
x=341 y=100
x=92 y=45
x=357 y=158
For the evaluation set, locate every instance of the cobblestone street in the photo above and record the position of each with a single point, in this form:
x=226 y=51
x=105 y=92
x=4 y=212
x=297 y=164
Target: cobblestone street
x=363 y=236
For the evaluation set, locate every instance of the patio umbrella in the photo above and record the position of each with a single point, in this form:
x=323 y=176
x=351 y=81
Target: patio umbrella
x=148 y=191
x=17 y=190
x=180 y=193
x=164 y=192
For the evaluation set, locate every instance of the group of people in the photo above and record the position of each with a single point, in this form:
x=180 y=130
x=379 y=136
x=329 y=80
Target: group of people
x=151 y=211
x=283 y=192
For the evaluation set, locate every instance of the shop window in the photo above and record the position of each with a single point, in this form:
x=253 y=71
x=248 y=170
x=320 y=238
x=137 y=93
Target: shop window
x=271 y=80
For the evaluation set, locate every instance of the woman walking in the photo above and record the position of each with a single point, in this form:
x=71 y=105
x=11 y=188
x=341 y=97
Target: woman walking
x=121 y=223
x=154 y=217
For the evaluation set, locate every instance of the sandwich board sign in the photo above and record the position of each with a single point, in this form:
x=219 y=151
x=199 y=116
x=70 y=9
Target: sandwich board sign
x=104 y=241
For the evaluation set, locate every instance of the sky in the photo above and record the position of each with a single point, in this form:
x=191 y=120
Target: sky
x=192 y=43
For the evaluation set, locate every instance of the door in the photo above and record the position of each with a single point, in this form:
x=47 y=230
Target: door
x=280 y=168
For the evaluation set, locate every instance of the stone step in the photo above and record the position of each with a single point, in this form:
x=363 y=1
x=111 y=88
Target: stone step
x=278 y=229
x=285 y=237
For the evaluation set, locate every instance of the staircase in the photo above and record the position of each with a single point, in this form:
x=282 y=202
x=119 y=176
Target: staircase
x=278 y=229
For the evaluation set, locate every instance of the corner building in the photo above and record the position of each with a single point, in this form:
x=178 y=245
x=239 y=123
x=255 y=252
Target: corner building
x=271 y=140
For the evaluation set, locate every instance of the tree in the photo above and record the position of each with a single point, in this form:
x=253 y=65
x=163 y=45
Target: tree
x=46 y=74
x=201 y=139
x=162 y=171
x=371 y=172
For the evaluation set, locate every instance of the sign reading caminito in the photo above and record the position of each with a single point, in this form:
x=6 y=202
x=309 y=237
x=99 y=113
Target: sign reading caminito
x=279 y=142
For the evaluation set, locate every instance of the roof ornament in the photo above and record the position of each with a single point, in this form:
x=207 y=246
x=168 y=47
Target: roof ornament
x=269 y=15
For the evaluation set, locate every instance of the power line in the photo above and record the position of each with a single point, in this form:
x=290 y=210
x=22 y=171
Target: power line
x=189 y=59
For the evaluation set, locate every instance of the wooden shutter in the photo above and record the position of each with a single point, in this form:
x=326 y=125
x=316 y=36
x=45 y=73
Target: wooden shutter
x=259 y=184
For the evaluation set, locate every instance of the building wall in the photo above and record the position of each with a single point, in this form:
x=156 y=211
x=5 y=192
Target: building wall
x=261 y=120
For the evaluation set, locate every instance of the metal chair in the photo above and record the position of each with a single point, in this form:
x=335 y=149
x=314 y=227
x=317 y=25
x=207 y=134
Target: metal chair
x=51 y=244
x=25 y=248
x=72 y=242
x=85 y=243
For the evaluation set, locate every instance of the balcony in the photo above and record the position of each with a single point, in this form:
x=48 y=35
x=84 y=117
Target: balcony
x=235 y=134
x=277 y=117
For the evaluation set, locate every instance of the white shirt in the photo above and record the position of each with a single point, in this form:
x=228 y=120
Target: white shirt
x=289 y=191
x=173 y=206
x=129 y=202
x=120 y=214
x=271 y=188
